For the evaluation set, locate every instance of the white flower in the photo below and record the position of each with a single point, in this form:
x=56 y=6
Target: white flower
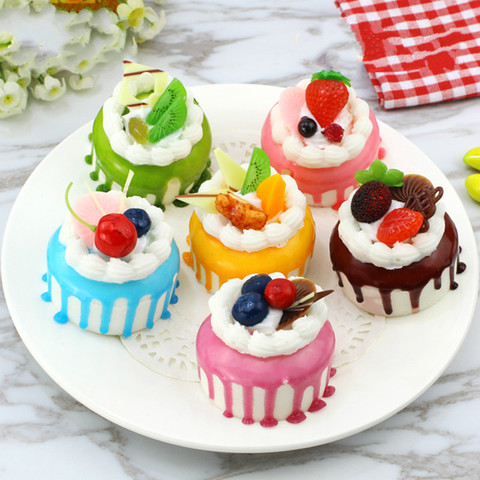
x=132 y=11
x=8 y=44
x=51 y=89
x=21 y=75
x=81 y=39
x=153 y=24
x=48 y=65
x=104 y=21
x=116 y=40
x=84 y=16
x=13 y=98
x=81 y=82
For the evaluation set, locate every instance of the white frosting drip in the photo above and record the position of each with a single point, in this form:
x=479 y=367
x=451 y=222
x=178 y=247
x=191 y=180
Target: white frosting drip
x=169 y=149
x=273 y=234
x=360 y=239
x=151 y=250
x=260 y=344
x=316 y=152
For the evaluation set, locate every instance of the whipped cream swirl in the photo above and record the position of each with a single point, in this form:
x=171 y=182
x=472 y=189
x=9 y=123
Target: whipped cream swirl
x=273 y=234
x=316 y=151
x=360 y=238
x=151 y=251
x=257 y=343
x=169 y=149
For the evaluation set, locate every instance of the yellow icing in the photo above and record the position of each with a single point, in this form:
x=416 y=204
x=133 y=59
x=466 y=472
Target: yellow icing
x=213 y=256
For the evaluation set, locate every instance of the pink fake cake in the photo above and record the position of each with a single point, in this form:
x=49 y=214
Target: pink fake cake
x=321 y=133
x=395 y=249
x=265 y=352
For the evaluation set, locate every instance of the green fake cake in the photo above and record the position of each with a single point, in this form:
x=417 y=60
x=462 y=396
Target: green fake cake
x=152 y=126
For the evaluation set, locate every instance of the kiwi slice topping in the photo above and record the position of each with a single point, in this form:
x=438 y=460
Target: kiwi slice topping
x=171 y=120
x=258 y=170
x=174 y=91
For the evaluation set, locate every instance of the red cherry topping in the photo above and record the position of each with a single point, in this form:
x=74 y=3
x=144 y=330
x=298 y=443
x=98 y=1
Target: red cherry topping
x=280 y=293
x=115 y=235
x=399 y=225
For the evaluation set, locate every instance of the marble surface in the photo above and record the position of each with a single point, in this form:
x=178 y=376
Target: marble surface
x=45 y=433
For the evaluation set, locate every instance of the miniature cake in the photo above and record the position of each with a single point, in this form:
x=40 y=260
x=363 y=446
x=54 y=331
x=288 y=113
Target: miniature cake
x=265 y=352
x=395 y=249
x=321 y=133
x=248 y=221
x=151 y=125
x=117 y=277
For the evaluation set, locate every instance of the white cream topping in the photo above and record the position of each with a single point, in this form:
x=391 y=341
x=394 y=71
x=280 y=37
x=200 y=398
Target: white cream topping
x=280 y=342
x=273 y=234
x=151 y=251
x=316 y=152
x=360 y=239
x=169 y=149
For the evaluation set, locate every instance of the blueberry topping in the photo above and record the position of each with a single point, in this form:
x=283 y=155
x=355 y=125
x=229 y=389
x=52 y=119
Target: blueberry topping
x=256 y=283
x=140 y=219
x=307 y=127
x=250 y=309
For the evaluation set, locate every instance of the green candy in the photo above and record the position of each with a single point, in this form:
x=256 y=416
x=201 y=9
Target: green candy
x=472 y=183
x=472 y=158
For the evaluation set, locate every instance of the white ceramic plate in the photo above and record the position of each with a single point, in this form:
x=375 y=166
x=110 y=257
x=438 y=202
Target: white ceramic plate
x=409 y=356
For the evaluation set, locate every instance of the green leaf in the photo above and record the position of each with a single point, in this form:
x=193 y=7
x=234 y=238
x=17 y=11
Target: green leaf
x=393 y=178
x=377 y=170
x=380 y=172
x=331 y=75
x=362 y=176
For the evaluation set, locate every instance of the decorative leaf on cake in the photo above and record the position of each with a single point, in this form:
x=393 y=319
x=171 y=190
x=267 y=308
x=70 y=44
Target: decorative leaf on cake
x=331 y=75
x=380 y=172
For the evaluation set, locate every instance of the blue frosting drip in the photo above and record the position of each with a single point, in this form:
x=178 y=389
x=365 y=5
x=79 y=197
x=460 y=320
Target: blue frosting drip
x=162 y=280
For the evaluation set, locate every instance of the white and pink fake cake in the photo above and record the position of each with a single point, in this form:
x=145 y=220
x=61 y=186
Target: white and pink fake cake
x=112 y=266
x=321 y=133
x=395 y=249
x=265 y=352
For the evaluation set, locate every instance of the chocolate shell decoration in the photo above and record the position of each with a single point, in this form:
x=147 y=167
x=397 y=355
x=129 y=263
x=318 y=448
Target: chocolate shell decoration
x=305 y=298
x=418 y=193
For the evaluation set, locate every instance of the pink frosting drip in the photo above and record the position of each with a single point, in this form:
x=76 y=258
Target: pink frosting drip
x=317 y=181
x=300 y=370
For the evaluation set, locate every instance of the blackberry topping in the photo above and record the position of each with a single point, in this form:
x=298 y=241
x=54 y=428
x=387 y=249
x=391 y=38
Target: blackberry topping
x=307 y=127
x=371 y=202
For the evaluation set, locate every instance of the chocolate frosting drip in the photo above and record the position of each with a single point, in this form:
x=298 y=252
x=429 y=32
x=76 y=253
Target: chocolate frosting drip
x=411 y=278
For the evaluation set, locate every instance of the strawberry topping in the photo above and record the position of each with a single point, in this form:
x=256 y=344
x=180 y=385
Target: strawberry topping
x=399 y=225
x=325 y=99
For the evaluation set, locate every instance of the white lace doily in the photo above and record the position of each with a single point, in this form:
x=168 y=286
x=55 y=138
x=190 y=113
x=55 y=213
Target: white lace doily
x=169 y=347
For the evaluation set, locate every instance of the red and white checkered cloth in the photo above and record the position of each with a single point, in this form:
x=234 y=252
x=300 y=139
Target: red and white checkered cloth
x=418 y=51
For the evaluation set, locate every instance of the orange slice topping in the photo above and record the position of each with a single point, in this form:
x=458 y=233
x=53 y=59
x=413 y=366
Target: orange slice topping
x=272 y=192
